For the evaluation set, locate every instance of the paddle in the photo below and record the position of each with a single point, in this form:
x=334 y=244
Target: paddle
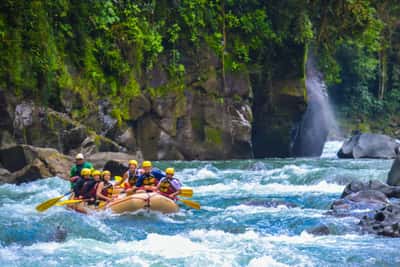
x=186 y=192
x=69 y=201
x=190 y=203
x=50 y=203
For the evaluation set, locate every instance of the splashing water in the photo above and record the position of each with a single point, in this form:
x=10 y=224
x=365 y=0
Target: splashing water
x=319 y=121
x=227 y=231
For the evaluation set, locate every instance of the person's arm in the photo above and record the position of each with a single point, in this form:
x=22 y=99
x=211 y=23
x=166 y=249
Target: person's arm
x=159 y=184
x=139 y=181
x=176 y=184
x=158 y=174
x=124 y=178
x=99 y=194
x=72 y=173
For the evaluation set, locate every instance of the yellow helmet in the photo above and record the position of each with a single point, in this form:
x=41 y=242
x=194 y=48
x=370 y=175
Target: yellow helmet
x=134 y=162
x=170 y=171
x=96 y=172
x=106 y=173
x=146 y=164
x=85 y=172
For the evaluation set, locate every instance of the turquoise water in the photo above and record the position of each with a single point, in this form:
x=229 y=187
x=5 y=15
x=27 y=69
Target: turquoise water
x=225 y=232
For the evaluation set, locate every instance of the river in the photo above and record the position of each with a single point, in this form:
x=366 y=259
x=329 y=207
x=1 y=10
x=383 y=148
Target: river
x=227 y=231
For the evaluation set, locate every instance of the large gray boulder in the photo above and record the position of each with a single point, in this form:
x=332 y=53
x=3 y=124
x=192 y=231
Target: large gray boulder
x=24 y=163
x=369 y=145
x=394 y=173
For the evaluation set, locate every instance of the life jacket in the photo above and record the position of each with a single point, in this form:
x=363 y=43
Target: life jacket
x=150 y=180
x=78 y=169
x=132 y=179
x=166 y=186
x=88 y=189
x=107 y=189
x=77 y=186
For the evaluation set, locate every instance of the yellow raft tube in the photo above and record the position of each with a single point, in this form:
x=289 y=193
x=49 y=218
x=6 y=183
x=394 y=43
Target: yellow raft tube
x=139 y=201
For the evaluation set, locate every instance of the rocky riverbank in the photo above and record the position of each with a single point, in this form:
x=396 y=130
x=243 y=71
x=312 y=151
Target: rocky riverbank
x=24 y=163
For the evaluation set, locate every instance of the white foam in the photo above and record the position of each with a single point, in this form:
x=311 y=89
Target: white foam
x=205 y=173
x=242 y=210
x=265 y=261
x=331 y=148
x=237 y=187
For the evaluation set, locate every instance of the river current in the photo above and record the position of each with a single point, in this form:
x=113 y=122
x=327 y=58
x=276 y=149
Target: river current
x=227 y=231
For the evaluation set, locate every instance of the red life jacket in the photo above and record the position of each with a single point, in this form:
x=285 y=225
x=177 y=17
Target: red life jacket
x=107 y=189
x=166 y=187
x=92 y=192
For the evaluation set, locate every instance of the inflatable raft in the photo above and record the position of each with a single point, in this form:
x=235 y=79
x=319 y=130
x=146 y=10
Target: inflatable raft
x=139 y=201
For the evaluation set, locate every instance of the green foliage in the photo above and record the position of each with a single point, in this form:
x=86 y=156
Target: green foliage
x=105 y=49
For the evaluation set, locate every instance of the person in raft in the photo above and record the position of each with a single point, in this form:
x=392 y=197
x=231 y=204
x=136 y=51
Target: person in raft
x=130 y=177
x=169 y=185
x=104 y=189
x=77 y=168
x=150 y=177
x=78 y=183
x=88 y=191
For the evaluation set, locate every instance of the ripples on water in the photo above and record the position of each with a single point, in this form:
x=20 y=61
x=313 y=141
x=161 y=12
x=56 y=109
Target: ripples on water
x=226 y=232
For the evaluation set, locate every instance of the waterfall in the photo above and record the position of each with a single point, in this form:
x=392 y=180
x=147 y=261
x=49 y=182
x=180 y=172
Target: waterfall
x=318 y=121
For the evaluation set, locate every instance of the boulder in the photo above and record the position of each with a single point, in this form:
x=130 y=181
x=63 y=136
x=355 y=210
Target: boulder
x=375 y=185
x=394 y=173
x=369 y=145
x=127 y=139
x=27 y=163
x=319 y=230
x=385 y=221
x=358 y=204
x=117 y=168
x=115 y=162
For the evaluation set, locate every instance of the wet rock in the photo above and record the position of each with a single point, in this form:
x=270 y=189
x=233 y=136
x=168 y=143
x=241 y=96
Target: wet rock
x=394 y=173
x=358 y=204
x=117 y=168
x=139 y=105
x=369 y=145
x=107 y=121
x=73 y=138
x=60 y=234
x=319 y=230
x=27 y=163
x=271 y=203
x=127 y=139
x=375 y=185
x=5 y=175
x=97 y=143
x=385 y=222
x=115 y=162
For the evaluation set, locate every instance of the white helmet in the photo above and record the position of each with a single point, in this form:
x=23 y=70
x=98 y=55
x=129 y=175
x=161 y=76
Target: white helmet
x=79 y=156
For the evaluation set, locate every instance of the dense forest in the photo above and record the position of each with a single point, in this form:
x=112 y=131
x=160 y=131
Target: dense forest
x=69 y=55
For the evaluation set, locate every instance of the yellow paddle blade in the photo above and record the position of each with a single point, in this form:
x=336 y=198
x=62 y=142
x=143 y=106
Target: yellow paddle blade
x=187 y=190
x=48 y=204
x=186 y=194
x=69 y=201
x=190 y=203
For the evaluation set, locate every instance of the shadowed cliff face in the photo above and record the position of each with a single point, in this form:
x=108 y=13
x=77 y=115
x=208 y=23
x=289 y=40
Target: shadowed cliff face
x=279 y=103
x=318 y=120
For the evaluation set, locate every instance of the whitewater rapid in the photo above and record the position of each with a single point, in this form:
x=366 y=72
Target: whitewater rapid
x=228 y=231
